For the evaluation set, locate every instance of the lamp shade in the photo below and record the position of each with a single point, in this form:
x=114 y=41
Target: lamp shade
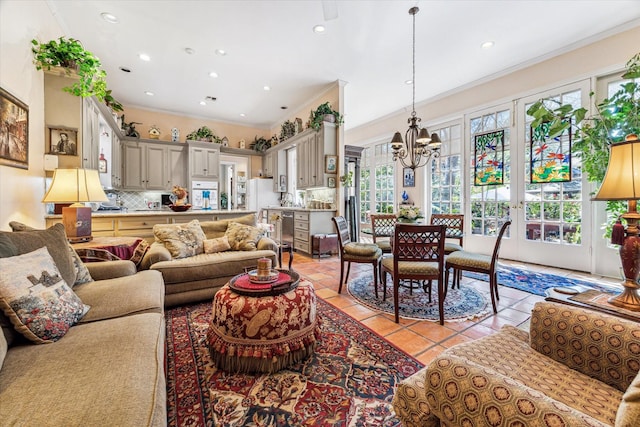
x=622 y=180
x=75 y=185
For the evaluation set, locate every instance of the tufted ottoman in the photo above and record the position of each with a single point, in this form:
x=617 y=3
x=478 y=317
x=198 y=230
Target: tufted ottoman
x=263 y=334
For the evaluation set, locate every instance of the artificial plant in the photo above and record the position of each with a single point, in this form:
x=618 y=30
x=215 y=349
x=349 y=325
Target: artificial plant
x=615 y=118
x=260 y=144
x=203 y=134
x=317 y=115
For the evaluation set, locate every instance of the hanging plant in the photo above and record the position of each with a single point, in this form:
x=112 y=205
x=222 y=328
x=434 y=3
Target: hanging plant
x=323 y=113
x=71 y=55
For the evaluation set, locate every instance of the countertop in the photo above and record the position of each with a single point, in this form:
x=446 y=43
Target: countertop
x=166 y=211
x=298 y=209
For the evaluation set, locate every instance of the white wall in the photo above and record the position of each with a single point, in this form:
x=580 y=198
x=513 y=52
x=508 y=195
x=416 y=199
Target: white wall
x=22 y=190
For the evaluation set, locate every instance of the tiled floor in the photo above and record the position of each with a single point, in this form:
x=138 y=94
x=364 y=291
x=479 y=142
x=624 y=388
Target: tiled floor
x=425 y=339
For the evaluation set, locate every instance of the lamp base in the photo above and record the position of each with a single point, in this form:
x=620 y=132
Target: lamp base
x=77 y=223
x=628 y=299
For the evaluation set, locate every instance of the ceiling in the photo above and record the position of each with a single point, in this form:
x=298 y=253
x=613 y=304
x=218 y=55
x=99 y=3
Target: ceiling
x=367 y=44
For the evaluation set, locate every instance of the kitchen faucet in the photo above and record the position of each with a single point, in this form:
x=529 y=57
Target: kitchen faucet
x=286 y=200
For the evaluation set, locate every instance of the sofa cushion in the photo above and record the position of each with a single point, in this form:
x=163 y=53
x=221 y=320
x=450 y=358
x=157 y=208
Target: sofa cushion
x=243 y=237
x=629 y=410
x=35 y=297
x=102 y=373
x=182 y=240
x=212 y=246
x=54 y=238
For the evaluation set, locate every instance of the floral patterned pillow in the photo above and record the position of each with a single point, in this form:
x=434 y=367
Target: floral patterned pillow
x=243 y=237
x=35 y=297
x=181 y=240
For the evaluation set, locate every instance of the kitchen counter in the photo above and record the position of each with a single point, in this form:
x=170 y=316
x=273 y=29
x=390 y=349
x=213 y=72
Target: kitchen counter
x=159 y=212
x=297 y=209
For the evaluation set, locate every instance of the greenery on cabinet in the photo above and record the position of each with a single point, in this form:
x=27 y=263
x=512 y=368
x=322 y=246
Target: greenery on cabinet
x=111 y=102
x=260 y=144
x=204 y=134
x=318 y=116
x=615 y=118
x=129 y=129
x=72 y=56
x=287 y=130
x=224 y=202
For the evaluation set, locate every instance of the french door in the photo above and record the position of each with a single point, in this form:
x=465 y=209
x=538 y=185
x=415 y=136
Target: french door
x=550 y=214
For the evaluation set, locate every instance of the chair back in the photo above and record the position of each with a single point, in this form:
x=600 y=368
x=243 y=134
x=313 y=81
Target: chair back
x=454 y=224
x=496 y=249
x=419 y=243
x=343 y=231
x=383 y=225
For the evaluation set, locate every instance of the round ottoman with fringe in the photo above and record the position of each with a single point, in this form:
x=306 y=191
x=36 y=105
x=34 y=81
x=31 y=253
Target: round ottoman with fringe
x=263 y=334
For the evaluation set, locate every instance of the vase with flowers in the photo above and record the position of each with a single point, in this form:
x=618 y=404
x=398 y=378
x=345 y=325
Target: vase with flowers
x=409 y=214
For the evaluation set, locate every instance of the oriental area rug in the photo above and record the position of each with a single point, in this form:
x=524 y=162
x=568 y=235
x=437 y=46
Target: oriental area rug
x=349 y=381
x=460 y=304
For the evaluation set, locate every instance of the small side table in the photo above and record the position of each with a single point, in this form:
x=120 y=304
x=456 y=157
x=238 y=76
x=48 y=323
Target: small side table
x=562 y=298
x=284 y=246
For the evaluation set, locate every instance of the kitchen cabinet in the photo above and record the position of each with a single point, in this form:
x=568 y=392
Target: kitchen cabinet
x=152 y=166
x=90 y=134
x=308 y=223
x=204 y=160
x=268 y=164
x=116 y=162
x=311 y=150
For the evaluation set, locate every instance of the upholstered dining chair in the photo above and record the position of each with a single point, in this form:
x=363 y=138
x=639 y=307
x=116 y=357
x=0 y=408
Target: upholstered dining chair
x=455 y=230
x=382 y=228
x=418 y=254
x=355 y=252
x=470 y=261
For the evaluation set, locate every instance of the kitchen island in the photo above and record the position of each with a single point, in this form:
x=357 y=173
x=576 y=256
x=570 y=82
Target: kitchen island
x=140 y=223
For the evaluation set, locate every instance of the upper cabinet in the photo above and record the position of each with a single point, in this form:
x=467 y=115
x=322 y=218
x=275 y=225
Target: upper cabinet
x=204 y=160
x=153 y=165
x=311 y=152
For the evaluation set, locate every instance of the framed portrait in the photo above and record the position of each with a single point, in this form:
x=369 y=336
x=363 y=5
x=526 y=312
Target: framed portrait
x=330 y=164
x=331 y=182
x=14 y=131
x=63 y=141
x=409 y=177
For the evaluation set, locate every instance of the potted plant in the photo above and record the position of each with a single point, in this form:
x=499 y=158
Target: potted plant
x=224 y=202
x=287 y=130
x=203 y=134
x=615 y=118
x=71 y=55
x=260 y=144
x=112 y=102
x=323 y=113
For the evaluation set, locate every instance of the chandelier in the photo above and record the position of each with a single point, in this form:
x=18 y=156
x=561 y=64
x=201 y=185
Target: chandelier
x=418 y=146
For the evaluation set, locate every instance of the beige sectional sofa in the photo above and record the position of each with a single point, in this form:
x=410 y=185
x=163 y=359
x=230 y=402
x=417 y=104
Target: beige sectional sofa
x=108 y=369
x=576 y=367
x=198 y=277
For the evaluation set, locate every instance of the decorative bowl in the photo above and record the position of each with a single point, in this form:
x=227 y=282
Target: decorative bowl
x=179 y=208
x=255 y=278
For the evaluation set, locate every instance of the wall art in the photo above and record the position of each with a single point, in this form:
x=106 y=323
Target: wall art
x=14 y=131
x=63 y=141
x=409 y=177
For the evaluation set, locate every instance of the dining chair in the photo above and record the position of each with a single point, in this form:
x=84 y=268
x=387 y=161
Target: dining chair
x=480 y=263
x=382 y=227
x=455 y=230
x=418 y=254
x=355 y=252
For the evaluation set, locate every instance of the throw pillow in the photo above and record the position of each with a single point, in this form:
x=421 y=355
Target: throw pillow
x=36 y=298
x=54 y=238
x=181 y=240
x=221 y=244
x=82 y=273
x=243 y=237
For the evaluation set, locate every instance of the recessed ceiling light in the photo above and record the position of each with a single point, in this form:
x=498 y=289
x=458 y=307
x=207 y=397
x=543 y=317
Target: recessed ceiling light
x=284 y=107
x=221 y=52
x=267 y=88
x=408 y=82
x=213 y=74
x=210 y=98
x=319 y=29
x=242 y=114
x=144 y=57
x=487 y=45
x=149 y=93
x=125 y=69
x=112 y=19
x=189 y=51
x=203 y=103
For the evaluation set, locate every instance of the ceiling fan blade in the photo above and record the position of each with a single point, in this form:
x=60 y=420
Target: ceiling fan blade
x=330 y=9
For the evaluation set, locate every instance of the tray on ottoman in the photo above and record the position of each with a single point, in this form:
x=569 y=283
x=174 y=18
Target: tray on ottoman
x=287 y=280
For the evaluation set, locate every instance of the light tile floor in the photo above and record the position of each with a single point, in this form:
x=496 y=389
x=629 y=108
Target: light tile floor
x=424 y=340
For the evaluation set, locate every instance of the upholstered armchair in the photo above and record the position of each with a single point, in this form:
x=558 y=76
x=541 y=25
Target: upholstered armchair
x=575 y=367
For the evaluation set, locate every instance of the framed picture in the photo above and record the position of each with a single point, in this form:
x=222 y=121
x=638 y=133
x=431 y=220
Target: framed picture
x=63 y=141
x=409 y=176
x=550 y=157
x=14 y=131
x=283 y=183
x=489 y=158
x=330 y=164
x=331 y=182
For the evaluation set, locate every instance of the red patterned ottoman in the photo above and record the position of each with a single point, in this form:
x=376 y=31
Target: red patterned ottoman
x=263 y=334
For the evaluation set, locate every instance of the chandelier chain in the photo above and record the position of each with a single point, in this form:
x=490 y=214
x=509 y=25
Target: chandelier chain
x=413 y=76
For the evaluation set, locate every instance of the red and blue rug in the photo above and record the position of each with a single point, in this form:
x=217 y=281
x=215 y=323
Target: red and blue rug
x=349 y=381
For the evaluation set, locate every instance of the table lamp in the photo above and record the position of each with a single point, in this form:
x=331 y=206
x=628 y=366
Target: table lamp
x=76 y=186
x=622 y=182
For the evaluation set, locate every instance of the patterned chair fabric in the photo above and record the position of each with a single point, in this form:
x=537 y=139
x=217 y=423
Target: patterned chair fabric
x=418 y=254
x=383 y=226
x=479 y=263
x=503 y=380
x=455 y=230
x=355 y=252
